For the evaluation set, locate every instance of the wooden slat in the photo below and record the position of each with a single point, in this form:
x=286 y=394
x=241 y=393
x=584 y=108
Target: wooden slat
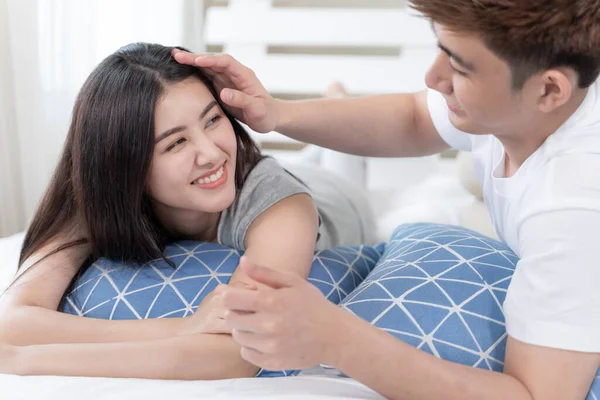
x=310 y=27
x=375 y=51
x=312 y=74
x=341 y=3
x=323 y=3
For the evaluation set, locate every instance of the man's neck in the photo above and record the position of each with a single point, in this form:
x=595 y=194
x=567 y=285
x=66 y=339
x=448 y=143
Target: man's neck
x=519 y=146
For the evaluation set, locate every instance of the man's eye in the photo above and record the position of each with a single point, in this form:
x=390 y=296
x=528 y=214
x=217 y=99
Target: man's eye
x=461 y=73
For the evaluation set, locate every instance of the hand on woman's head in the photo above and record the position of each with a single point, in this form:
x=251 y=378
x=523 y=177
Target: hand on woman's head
x=238 y=88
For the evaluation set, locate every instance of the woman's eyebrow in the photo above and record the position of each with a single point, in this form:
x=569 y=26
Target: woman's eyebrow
x=180 y=128
x=208 y=108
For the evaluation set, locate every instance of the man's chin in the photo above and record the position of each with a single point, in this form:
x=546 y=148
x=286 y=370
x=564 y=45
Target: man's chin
x=465 y=125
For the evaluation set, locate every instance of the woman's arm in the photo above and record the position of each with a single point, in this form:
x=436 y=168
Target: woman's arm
x=28 y=310
x=283 y=237
x=192 y=357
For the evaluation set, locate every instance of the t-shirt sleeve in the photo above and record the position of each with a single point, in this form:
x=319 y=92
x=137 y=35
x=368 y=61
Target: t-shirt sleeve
x=267 y=184
x=438 y=110
x=554 y=297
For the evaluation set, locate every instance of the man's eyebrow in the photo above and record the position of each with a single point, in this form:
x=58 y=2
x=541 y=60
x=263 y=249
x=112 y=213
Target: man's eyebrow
x=459 y=60
x=180 y=128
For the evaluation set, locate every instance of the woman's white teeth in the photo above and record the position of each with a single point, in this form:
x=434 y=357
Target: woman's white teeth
x=211 y=178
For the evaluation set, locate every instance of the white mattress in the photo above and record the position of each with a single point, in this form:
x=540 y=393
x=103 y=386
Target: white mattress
x=71 y=388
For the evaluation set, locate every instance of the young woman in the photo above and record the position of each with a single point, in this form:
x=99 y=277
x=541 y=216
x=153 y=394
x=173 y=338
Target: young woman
x=152 y=157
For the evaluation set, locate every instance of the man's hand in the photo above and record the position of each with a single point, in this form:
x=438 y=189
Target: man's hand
x=238 y=87
x=288 y=324
x=209 y=317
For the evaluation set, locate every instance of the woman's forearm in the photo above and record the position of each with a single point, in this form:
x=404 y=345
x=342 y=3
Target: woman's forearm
x=191 y=357
x=28 y=325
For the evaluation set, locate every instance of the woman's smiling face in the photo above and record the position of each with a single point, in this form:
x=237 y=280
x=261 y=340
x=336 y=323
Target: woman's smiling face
x=193 y=166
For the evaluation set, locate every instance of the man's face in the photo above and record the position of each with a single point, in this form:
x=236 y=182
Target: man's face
x=477 y=86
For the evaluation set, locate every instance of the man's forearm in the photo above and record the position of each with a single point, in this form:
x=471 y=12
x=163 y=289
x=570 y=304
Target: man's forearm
x=400 y=372
x=384 y=125
x=192 y=357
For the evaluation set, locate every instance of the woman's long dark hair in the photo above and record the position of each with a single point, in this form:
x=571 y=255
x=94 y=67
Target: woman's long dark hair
x=101 y=178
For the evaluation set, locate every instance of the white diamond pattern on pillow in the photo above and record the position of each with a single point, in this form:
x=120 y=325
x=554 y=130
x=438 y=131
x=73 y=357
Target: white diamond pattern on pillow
x=116 y=290
x=441 y=288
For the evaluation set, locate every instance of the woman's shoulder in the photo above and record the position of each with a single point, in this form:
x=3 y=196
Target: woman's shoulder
x=265 y=165
x=269 y=171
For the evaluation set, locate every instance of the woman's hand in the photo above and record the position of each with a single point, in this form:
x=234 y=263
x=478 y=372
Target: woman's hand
x=210 y=314
x=287 y=325
x=238 y=87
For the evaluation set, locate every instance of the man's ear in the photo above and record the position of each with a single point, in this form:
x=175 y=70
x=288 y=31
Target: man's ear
x=555 y=88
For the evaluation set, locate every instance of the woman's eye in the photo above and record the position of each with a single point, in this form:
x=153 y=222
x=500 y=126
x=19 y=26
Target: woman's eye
x=175 y=144
x=213 y=120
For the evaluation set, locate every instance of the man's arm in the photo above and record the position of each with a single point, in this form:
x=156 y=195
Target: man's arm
x=394 y=125
x=277 y=330
x=399 y=371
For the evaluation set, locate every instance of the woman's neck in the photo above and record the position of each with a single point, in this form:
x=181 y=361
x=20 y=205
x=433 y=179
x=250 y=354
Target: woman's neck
x=191 y=225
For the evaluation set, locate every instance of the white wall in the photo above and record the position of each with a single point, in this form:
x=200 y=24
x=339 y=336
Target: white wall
x=55 y=44
x=10 y=183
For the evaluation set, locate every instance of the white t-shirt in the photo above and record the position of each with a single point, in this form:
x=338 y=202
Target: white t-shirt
x=548 y=213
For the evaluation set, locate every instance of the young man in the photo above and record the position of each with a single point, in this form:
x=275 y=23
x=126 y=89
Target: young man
x=515 y=82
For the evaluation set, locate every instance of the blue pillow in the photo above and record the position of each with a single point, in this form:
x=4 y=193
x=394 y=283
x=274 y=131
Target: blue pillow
x=440 y=288
x=116 y=290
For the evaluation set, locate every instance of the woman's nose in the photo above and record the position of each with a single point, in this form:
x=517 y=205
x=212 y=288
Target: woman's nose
x=207 y=152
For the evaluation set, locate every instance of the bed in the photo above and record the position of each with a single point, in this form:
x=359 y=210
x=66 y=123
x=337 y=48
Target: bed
x=71 y=388
x=422 y=190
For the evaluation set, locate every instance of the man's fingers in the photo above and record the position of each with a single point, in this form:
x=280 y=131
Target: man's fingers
x=235 y=98
x=268 y=276
x=225 y=70
x=253 y=356
x=216 y=326
x=220 y=288
x=244 y=285
x=223 y=63
x=241 y=300
x=244 y=321
x=184 y=57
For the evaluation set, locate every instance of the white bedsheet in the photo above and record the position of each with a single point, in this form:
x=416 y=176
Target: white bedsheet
x=71 y=388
